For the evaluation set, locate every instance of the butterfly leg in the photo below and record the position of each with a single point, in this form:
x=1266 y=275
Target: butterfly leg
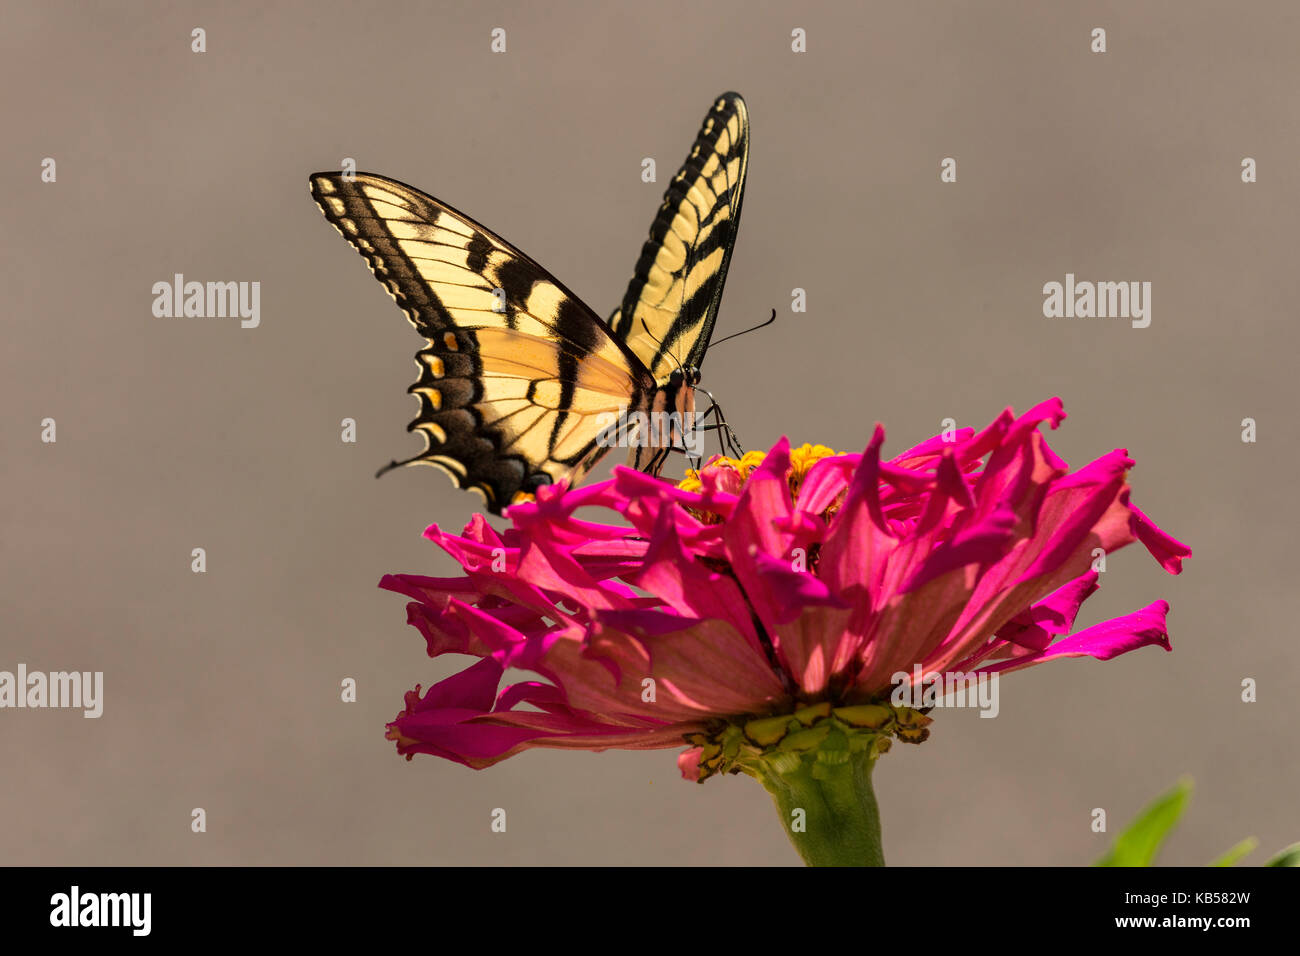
x=657 y=462
x=728 y=435
x=727 y=442
x=694 y=462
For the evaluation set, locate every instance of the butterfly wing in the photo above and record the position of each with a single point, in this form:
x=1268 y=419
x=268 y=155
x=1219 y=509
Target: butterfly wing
x=517 y=372
x=672 y=301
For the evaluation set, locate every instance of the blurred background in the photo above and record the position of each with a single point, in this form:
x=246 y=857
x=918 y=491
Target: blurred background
x=924 y=303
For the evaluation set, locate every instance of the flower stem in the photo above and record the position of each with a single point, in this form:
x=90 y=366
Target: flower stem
x=828 y=807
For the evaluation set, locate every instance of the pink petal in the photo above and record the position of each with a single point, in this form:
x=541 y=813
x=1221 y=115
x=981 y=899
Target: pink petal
x=603 y=672
x=688 y=762
x=824 y=482
x=752 y=530
x=1165 y=548
x=1035 y=627
x=1102 y=641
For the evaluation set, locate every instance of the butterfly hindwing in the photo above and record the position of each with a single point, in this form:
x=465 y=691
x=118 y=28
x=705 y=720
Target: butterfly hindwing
x=517 y=370
x=672 y=301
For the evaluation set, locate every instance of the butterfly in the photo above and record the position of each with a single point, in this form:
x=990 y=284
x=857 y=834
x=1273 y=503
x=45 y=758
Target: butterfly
x=520 y=379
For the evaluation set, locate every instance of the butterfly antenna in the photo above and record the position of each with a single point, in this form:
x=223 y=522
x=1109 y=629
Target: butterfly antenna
x=761 y=325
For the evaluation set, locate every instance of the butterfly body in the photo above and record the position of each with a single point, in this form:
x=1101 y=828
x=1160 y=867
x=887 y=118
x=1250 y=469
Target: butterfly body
x=674 y=401
x=519 y=377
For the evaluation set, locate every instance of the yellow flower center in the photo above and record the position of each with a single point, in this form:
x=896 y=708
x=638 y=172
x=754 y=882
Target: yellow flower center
x=801 y=460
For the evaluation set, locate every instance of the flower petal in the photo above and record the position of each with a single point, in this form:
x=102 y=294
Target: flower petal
x=1103 y=641
x=1035 y=627
x=1165 y=548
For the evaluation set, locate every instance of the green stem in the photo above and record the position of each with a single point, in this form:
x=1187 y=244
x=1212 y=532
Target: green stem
x=840 y=823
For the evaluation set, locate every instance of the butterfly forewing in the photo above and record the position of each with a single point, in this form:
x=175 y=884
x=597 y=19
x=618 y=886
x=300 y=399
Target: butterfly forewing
x=672 y=301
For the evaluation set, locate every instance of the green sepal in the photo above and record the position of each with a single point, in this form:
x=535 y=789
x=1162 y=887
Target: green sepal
x=813 y=712
x=766 y=731
x=871 y=716
x=805 y=739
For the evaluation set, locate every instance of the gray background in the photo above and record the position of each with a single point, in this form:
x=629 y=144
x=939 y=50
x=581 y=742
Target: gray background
x=924 y=302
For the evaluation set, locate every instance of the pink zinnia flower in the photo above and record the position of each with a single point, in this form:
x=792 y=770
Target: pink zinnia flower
x=760 y=610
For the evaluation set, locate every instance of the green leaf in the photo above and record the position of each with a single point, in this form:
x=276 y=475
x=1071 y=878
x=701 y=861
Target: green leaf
x=1139 y=844
x=1288 y=857
x=1237 y=852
